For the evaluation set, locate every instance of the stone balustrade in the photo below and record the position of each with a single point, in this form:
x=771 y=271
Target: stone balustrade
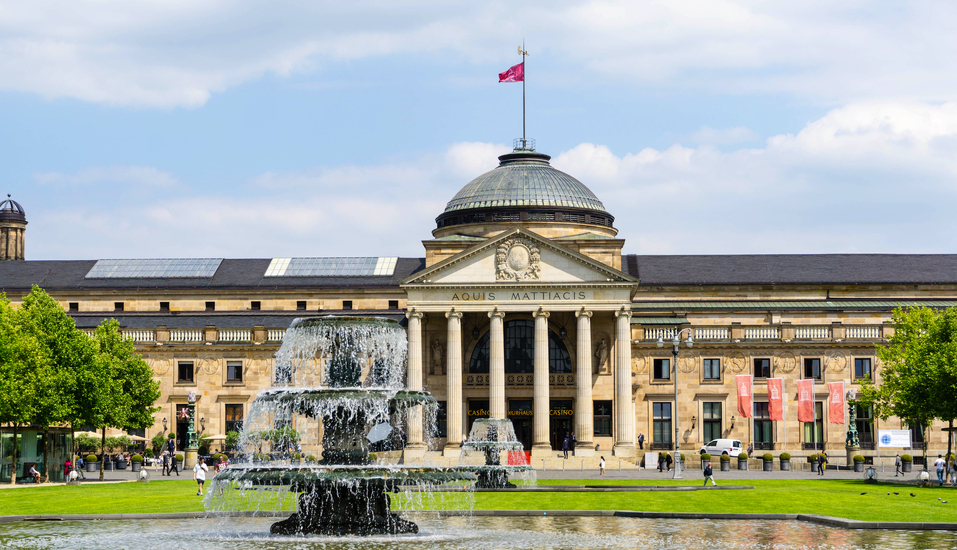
x=711 y=333
x=812 y=333
x=762 y=333
x=235 y=335
x=139 y=335
x=186 y=335
x=275 y=334
x=862 y=333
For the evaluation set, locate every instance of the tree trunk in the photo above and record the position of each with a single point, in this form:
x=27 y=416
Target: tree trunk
x=46 y=455
x=950 y=442
x=103 y=453
x=13 y=463
x=924 y=445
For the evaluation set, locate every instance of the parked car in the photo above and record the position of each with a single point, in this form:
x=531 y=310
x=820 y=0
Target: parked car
x=730 y=447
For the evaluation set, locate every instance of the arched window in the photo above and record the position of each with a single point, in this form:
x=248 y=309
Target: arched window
x=520 y=351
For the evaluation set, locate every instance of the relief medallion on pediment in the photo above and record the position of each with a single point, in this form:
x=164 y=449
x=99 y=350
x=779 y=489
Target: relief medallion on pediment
x=518 y=259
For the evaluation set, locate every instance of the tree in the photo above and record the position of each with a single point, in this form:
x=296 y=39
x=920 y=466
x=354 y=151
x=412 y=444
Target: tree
x=919 y=373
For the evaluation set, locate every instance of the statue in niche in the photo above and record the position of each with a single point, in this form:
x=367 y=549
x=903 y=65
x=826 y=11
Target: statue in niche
x=437 y=353
x=601 y=355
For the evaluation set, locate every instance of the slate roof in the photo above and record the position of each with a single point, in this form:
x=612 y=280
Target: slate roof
x=793 y=269
x=232 y=319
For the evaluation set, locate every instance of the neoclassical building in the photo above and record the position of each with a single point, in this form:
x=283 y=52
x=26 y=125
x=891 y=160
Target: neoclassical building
x=525 y=306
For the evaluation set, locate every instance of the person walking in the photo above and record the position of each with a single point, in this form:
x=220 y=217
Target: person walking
x=79 y=466
x=820 y=464
x=668 y=461
x=709 y=474
x=199 y=475
x=165 y=461
x=67 y=466
x=641 y=441
x=897 y=465
x=565 y=446
x=940 y=464
x=601 y=466
x=661 y=461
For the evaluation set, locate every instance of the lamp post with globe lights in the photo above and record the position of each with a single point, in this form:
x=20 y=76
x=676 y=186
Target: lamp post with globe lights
x=675 y=342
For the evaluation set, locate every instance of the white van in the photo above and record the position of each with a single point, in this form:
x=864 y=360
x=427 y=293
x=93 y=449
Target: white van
x=730 y=447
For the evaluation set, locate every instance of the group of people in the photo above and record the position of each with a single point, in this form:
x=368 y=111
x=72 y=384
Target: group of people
x=664 y=461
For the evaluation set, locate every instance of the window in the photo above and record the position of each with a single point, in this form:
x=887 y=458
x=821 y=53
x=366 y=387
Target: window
x=763 y=427
x=442 y=420
x=74 y=306
x=661 y=413
x=602 y=416
x=865 y=426
x=711 y=421
x=662 y=369
x=234 y=371
x=301 y=305
x=255 y=306
x=164 y=306
x=812 y=368
x=347 y=304
x=762 y=368
x=393 y=304
x=814 y=432
x=712 y=369
x=862 y=368
x=520 y=351
x=210 y=306
x=234 y=418
x=185 y=371
x=117 y=306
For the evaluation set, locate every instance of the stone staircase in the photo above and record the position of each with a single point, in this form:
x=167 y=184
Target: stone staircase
x=553 y=462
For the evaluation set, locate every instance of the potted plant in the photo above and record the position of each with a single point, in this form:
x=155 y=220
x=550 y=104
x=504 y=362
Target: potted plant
x=136 y=462
x=725 y=463
x=179 y=461
x=858 y=463
x=681 y=457
x=92 y=463
x=310 y=459
x=907 y=463
x=743 y=461
x=295 y=458
x=121 y=463
x=785 y=462
x=705 y=459
x=768 y=462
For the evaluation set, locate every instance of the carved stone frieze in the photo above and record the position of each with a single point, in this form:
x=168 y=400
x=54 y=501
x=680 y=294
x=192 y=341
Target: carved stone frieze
x=736 y=362
x=785 y=362
x=639 y=364
x=687 y=361
x=835 y=361
x=518 y=259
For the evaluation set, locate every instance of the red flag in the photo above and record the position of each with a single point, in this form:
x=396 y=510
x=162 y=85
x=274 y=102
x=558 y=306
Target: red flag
x=805 y=400
x=776 y=398
x=836 y=402
x=513 y=74
x=743 y=382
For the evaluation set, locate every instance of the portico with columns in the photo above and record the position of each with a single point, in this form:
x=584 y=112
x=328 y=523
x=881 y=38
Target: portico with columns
x=519 y=319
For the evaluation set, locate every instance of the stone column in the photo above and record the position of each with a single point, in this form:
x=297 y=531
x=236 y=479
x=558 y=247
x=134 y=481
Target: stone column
x=624 y=409
x=415 y=445
x=541 y=406
x=584 y=407
x=453 y=404
x=496 y=385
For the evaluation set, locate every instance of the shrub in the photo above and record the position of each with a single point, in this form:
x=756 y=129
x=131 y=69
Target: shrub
x=768 y=457
x=180 y=458
x=705 y=456
x=136 y=458
x=785 y=456
x=261 y=457
x=219 y=457
x=372 y=456
x=203 y=450
x=812 y=458
x=296 y=456
x=907 y=458
x=310 y=458
x=92 y=458
x=171 y=436
x=682 y=455
x=743 y=456
x=725 y=458
x=858 y=458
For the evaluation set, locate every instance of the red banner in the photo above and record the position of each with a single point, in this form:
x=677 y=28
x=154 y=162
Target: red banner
x=805 y=400
x=513 y=74
x=776 y=398
x=835 y=402
x=743 y=382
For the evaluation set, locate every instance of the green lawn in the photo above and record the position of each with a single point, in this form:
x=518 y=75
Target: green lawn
x=839 y=498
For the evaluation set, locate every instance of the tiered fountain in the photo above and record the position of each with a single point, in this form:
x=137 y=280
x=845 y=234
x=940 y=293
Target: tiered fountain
x=482 y=453
x=348 y=373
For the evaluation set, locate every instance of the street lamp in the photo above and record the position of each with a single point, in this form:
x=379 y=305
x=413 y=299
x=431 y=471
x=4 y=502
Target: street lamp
x=675 y=342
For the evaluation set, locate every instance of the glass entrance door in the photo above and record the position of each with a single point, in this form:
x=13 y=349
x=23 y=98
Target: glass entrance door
x=520 y=413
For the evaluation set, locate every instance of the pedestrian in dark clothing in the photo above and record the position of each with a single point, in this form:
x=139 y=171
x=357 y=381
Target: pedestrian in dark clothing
x=565 y=446
x=165 y=459
x=709 y=474
x=661 y=461
x=668 y=462
x=897 y=464
x=641 y=441
x=820 y=464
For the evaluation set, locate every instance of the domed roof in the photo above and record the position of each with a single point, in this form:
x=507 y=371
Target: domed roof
x=11 y=210
x=524 y=178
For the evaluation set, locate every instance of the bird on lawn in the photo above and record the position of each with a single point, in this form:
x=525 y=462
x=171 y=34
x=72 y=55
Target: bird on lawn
x=866 y=493
x=913 y=495
x=896 y=493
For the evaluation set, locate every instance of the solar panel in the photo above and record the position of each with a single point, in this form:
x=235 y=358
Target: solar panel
x=161 y=268
x=331 y=267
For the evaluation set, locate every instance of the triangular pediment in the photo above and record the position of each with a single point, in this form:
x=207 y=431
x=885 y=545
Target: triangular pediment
x=518 y=257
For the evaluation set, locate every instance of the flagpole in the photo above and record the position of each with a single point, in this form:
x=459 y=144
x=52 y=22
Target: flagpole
x=524 y=55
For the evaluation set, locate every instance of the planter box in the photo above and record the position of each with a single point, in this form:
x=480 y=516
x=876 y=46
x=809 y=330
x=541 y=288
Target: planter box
x=726 y=466
x=108 y=466
x=704 y=464
x=136 y=466
x=907 y=466
x=785 y=465
x=92 y=466
x=742 y=464
x=858 y=466
x=768 y=465
x=121 y=464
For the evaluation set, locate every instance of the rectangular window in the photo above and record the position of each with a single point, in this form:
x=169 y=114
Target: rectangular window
x=393 y=304
x=814 y=432
x=164 y=307
x=210 y=306
x=711 y=421
x=442 y=420
x=185 y=371
x=301 y=305
x=662 y=369
x=862 y=368
x=347 y=304
x=117 y=306
x=865 y=426
x=712 y=369
x=602 y=416
x=762 y=368
x=74 y=306
x=812 y=368
x=255 y=306
x=661 y=413
x=763 y=427
x=234 y=418
x=234 y=371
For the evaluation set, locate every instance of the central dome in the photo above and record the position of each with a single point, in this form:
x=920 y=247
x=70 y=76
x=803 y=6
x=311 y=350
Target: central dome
x=524 y=178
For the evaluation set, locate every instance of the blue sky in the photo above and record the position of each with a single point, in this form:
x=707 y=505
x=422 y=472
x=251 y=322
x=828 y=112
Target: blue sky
x=247 y=129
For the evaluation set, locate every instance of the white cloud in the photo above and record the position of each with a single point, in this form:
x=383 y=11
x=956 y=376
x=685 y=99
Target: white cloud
x=178 y=53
